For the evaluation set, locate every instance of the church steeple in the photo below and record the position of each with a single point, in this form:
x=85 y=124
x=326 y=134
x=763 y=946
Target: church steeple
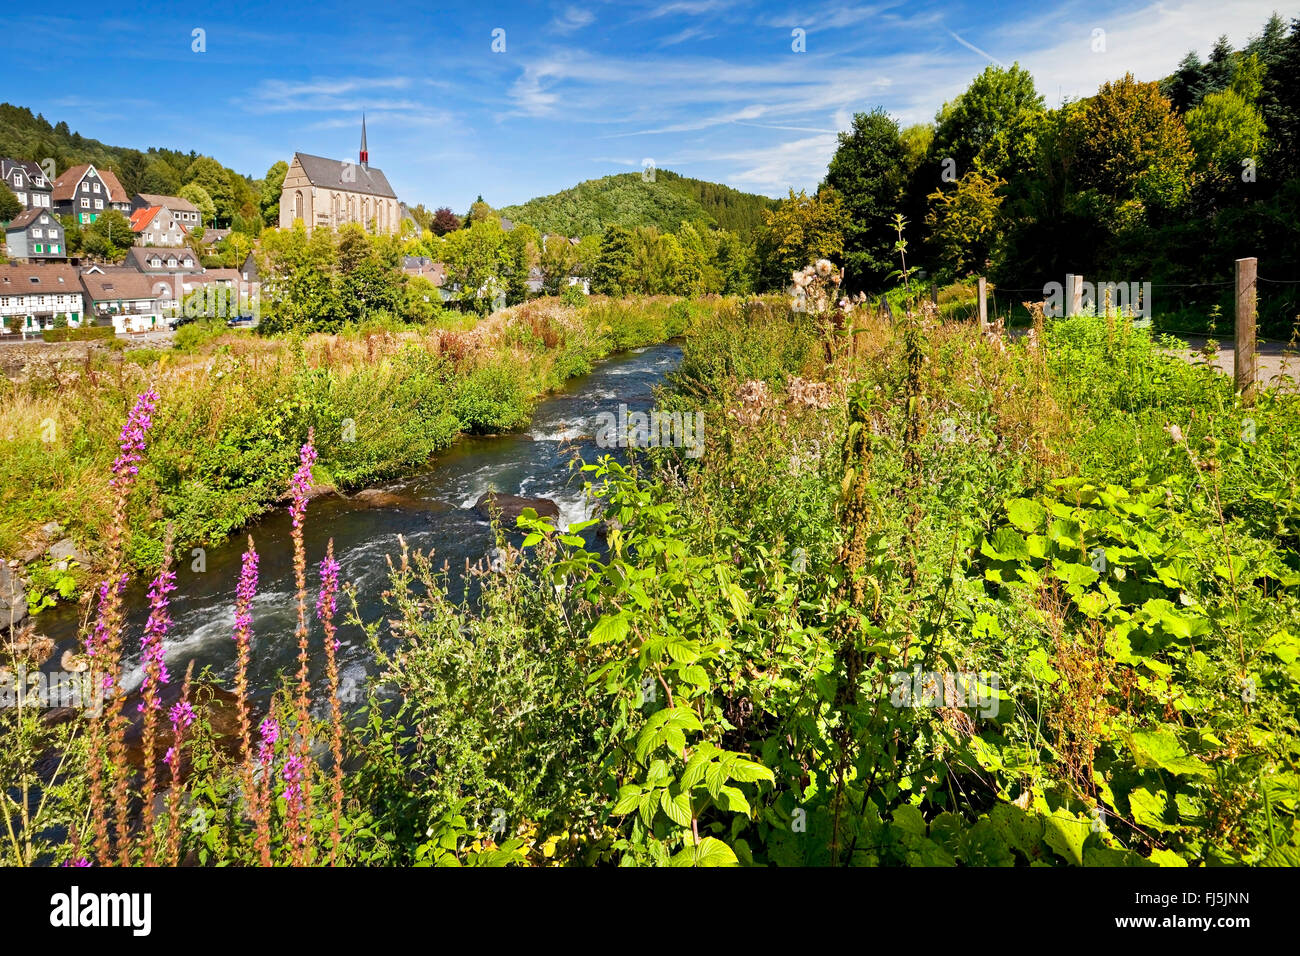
x=365 y=154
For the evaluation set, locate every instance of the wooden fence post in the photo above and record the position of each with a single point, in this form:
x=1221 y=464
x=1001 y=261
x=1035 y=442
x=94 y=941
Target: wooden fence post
x=934 y=293
x=984 y=304
x=1243 y=364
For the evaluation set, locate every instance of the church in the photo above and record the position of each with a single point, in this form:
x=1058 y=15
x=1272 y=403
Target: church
x=326 y=193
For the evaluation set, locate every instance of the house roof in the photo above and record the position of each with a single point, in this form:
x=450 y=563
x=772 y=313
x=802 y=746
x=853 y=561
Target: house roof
x=66 y=185
x=141 y=218
x=114 y=284
x=211 y=277
x=329 y=173
x=26 y=218
x=18 y=280
x=435 y=272
x=34 y=171
x=137 y=257
x=171 y=202
x=212 y=236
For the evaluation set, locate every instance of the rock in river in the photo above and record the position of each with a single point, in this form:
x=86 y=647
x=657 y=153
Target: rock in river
x=511 y=506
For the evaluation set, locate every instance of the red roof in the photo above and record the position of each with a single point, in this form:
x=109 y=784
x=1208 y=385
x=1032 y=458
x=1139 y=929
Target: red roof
x=141 y=218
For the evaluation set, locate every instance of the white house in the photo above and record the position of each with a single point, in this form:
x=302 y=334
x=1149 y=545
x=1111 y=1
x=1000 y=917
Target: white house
x=130 y=300
x=33 y=296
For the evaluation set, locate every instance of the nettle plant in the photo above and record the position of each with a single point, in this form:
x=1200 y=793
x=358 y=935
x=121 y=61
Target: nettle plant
x=664 y=638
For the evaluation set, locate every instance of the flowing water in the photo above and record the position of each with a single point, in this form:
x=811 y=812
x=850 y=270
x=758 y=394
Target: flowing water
x=433 y=509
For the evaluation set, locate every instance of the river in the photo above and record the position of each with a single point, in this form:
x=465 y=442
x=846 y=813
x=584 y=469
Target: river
x=433 y=509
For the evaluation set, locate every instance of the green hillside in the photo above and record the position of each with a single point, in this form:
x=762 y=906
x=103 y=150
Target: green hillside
x=24 y=135
x=626 y=199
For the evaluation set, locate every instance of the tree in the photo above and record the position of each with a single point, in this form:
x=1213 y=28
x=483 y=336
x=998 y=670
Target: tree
x=611 y=273
x=963 y=222
x=557 y=261
x=1225 y=130
x=10 y=207
x=444 y=221
x=799 y=231
x=109 y=236
x=1132 y=146
x=297 y=276
x=160 y=178
x=199 y=197
x=991 y=125
x=866 y=172
x=71 y=234
x=272 y=186
x=216 y=181
x=480 y=211
x=478 y=263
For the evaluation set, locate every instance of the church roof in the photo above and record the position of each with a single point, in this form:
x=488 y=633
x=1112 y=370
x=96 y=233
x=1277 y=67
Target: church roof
x=347 y=177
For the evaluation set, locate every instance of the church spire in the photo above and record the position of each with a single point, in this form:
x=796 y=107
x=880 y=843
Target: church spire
x=365 y=154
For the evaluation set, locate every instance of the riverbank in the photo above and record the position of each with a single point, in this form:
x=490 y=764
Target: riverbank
x=380 y=401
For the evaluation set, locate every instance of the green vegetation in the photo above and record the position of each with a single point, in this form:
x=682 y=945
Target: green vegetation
x=90 y=333
x=627 y=200
x=382 y=397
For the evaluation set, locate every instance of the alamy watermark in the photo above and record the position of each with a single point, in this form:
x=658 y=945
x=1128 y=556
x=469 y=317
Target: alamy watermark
x=654 y=429
x=48 y=691
x=960 y=689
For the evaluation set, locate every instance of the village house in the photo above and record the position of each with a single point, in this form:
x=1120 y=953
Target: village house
x=157 y=226
x=435 y=272
x=35 y=298
x=163 y=260
x=182 y=210
x=129 y=300
x=28 y=182
x=35 y=235
x=326 y=193
x=85 y=192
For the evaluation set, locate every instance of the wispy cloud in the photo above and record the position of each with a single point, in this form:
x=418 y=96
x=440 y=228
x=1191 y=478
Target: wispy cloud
x=573 y=18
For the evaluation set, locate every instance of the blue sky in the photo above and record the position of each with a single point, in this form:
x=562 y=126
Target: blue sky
x=709 y=88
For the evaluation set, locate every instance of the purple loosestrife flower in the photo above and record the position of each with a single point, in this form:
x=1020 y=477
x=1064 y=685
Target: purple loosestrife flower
x=300 y=484
x=182 y=714
x=99 y=636
x=293 y=767
x=327 y=602
x=131 y=441
x=152 y=651
x=244 y=595
x=270 y=730
x=78 y=862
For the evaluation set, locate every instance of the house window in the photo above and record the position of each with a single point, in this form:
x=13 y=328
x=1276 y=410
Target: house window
x=95 y=187
x=55 y=249
x=36 y=234
x=85 y=204
x=22 y=198
x=99 y=204
x=18 y=179
x=85 y=187
x=38 y=248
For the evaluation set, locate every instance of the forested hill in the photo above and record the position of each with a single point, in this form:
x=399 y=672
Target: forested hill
x=626 y=199
x=163 y=171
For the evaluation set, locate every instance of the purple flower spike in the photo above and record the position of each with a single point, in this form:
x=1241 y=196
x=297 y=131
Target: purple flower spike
x=244 y=595
x=131 y=441
x=300 y=484
x=152 y=651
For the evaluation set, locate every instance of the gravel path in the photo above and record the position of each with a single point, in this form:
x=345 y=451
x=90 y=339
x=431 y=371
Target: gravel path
x=1273 y=364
